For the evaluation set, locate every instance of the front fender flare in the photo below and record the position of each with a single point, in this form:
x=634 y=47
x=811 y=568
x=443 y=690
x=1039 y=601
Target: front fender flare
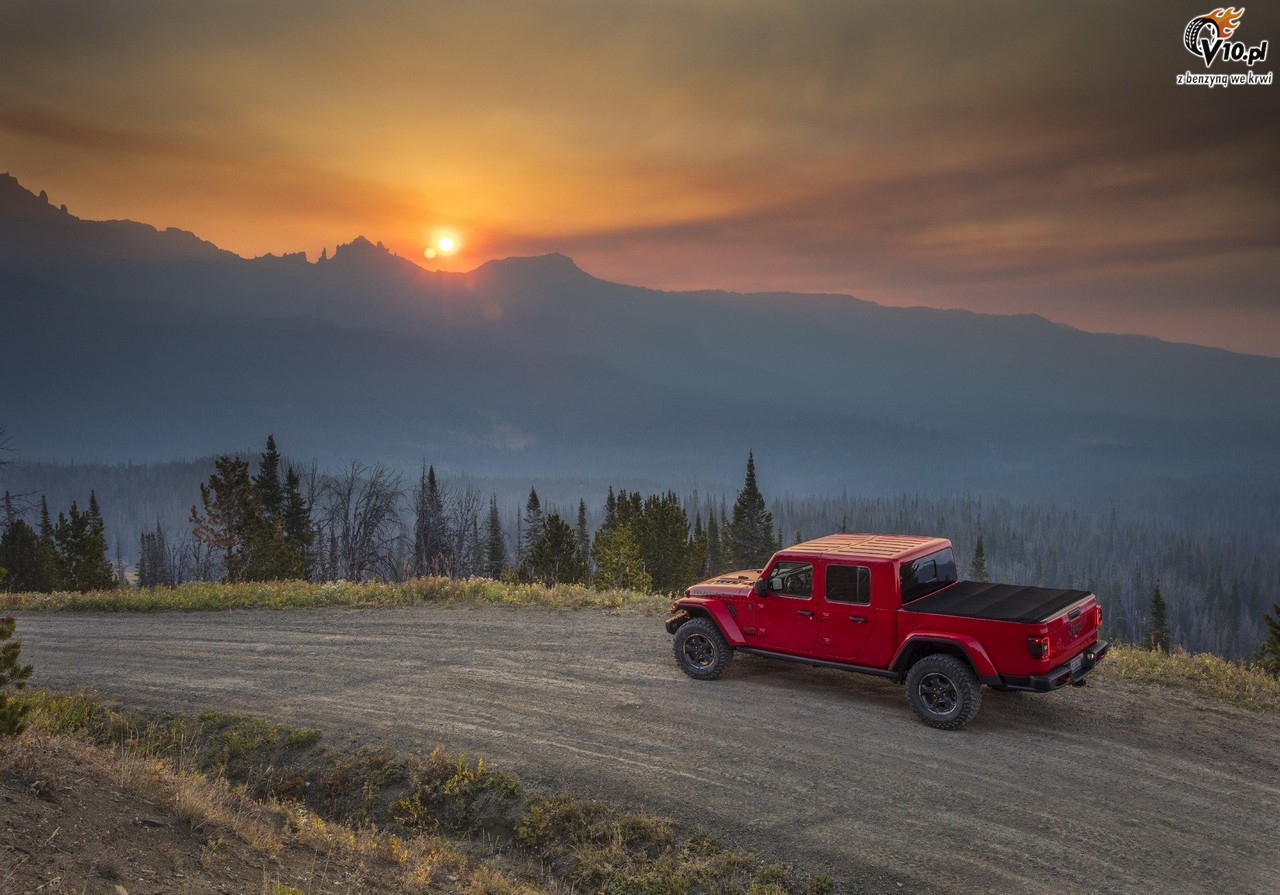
x=718 y=612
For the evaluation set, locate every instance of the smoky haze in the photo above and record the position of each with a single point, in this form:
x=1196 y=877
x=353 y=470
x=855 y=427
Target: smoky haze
x=994 y=156
x=128 y=343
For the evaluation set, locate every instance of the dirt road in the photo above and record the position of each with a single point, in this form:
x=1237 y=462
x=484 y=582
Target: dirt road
x=1115 y=788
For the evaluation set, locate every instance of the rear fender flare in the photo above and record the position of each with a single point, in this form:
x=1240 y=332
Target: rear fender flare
x=970 y=647
x=718 y=613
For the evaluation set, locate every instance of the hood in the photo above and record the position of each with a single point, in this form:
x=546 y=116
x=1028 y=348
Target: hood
x=730 y=584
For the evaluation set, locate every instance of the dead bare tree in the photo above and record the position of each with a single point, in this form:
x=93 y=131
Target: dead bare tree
x=192 y=560
x=16 y=504
x=361 y=511
x=464 y=530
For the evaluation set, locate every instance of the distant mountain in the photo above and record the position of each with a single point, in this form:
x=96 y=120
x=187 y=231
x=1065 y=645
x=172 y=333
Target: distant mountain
x=123 y=342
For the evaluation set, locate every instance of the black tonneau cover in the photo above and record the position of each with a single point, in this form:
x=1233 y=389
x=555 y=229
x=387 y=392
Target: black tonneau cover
x=1001 y=602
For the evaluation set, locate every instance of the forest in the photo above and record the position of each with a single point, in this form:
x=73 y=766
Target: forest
x=263 y=515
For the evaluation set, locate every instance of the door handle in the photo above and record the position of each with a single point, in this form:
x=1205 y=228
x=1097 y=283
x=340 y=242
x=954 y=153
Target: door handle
x=805 y=612
x=858 y=619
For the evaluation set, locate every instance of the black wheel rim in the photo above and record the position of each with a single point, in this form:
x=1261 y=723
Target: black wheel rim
x=699 y=651
x=938 y=693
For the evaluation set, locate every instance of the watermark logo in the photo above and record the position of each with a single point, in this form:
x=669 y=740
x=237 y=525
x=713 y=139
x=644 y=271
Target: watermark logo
x=1206 y=37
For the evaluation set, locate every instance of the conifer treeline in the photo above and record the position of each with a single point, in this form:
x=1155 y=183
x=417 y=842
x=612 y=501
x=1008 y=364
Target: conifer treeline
x=363 y=522
x=352 y=524
x=70 y=554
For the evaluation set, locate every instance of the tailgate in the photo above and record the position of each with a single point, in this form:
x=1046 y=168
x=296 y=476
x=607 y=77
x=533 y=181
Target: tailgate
x=1073 y=630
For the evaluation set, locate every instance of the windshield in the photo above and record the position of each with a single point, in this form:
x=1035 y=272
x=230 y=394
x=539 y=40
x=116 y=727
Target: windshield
x=928 y=574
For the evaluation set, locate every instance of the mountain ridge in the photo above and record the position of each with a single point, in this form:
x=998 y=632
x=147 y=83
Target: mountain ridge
x=552 y=266
x=159 y=344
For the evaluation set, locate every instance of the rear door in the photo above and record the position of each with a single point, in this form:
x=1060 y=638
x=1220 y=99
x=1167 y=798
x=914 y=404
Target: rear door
x=845 y=618
x=785 y=617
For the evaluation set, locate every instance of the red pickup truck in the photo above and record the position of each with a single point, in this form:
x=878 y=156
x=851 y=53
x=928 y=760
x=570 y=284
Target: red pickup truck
x=892 y=606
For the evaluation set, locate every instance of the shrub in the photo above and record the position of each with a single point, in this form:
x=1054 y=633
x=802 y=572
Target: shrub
x=13 y=713
x=1268 y=655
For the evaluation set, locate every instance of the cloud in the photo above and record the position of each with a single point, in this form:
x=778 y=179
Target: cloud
x=995 y=155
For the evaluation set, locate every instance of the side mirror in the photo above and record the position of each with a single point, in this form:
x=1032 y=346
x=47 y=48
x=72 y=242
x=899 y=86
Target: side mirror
x=758 y=587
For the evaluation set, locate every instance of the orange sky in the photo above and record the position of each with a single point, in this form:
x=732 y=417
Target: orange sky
x=998 y=157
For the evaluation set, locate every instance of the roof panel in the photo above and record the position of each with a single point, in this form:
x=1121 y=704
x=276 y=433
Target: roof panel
x=872 y=545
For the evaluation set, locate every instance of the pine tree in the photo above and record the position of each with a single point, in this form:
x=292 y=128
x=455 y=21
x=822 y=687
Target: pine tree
x=978 y=567
x=750 y=533
x=46 y=524
x=724 y=561
x=844 y=524
x=267 y=481
x=81 y=541
x=495 y=543
x=661 y=530
x=153 y=559
x=584 y=536
x=711 y=562
x=618 y=561
x=233 y=519
x=554 y=558
x=533 y=523
x=1158 y=629
x=21 y=559
x=696 y=554
x=140 y=568
x=610 y=511
x=630 y=507
x=299 y=529
x=432 y=553
x=54 y=571
x=1268 y=655
x=13 y=677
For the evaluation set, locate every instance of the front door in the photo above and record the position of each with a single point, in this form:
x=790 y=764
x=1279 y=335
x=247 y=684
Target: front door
x=845 y=619
x=785 y=620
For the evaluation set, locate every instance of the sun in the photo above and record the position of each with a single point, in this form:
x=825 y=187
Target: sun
x=442 y=243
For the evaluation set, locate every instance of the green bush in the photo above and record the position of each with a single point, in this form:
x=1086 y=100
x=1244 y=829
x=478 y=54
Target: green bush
x=13 y=677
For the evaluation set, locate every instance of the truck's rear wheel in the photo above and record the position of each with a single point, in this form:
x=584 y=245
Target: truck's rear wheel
x=943 y=691
x=701 y=650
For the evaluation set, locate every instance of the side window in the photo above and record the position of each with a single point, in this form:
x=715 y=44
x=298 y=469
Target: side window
x=788 y=578
x=849 y=584
x=927 y=574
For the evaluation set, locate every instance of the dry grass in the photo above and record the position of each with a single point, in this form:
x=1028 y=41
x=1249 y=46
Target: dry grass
x=204 y=596
x=1201 y=673
x=234 y=782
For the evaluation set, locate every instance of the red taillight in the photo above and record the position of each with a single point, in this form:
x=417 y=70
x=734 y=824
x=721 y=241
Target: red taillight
x=1039 y=647
x=1098 y=609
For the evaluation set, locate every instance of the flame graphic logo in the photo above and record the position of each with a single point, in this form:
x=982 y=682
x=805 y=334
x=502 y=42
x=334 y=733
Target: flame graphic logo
x=1224 y=22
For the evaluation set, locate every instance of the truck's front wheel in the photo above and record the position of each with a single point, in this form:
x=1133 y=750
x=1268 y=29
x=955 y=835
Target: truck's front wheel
x=701 y=650
x=943 y=691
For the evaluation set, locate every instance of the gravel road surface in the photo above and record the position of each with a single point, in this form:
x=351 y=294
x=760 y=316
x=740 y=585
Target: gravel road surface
x=1114 y=788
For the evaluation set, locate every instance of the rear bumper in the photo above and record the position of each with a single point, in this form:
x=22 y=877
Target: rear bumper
x=1066 y=673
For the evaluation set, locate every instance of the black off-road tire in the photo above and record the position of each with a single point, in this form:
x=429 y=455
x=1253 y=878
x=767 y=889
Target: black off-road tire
x=701 y=650
x=943 y=691
x=1192 y=31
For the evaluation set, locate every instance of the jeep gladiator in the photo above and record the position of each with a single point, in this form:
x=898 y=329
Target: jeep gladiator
x=892 y=606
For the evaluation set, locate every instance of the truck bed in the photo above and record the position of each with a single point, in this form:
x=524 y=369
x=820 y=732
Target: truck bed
x=999 y=602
